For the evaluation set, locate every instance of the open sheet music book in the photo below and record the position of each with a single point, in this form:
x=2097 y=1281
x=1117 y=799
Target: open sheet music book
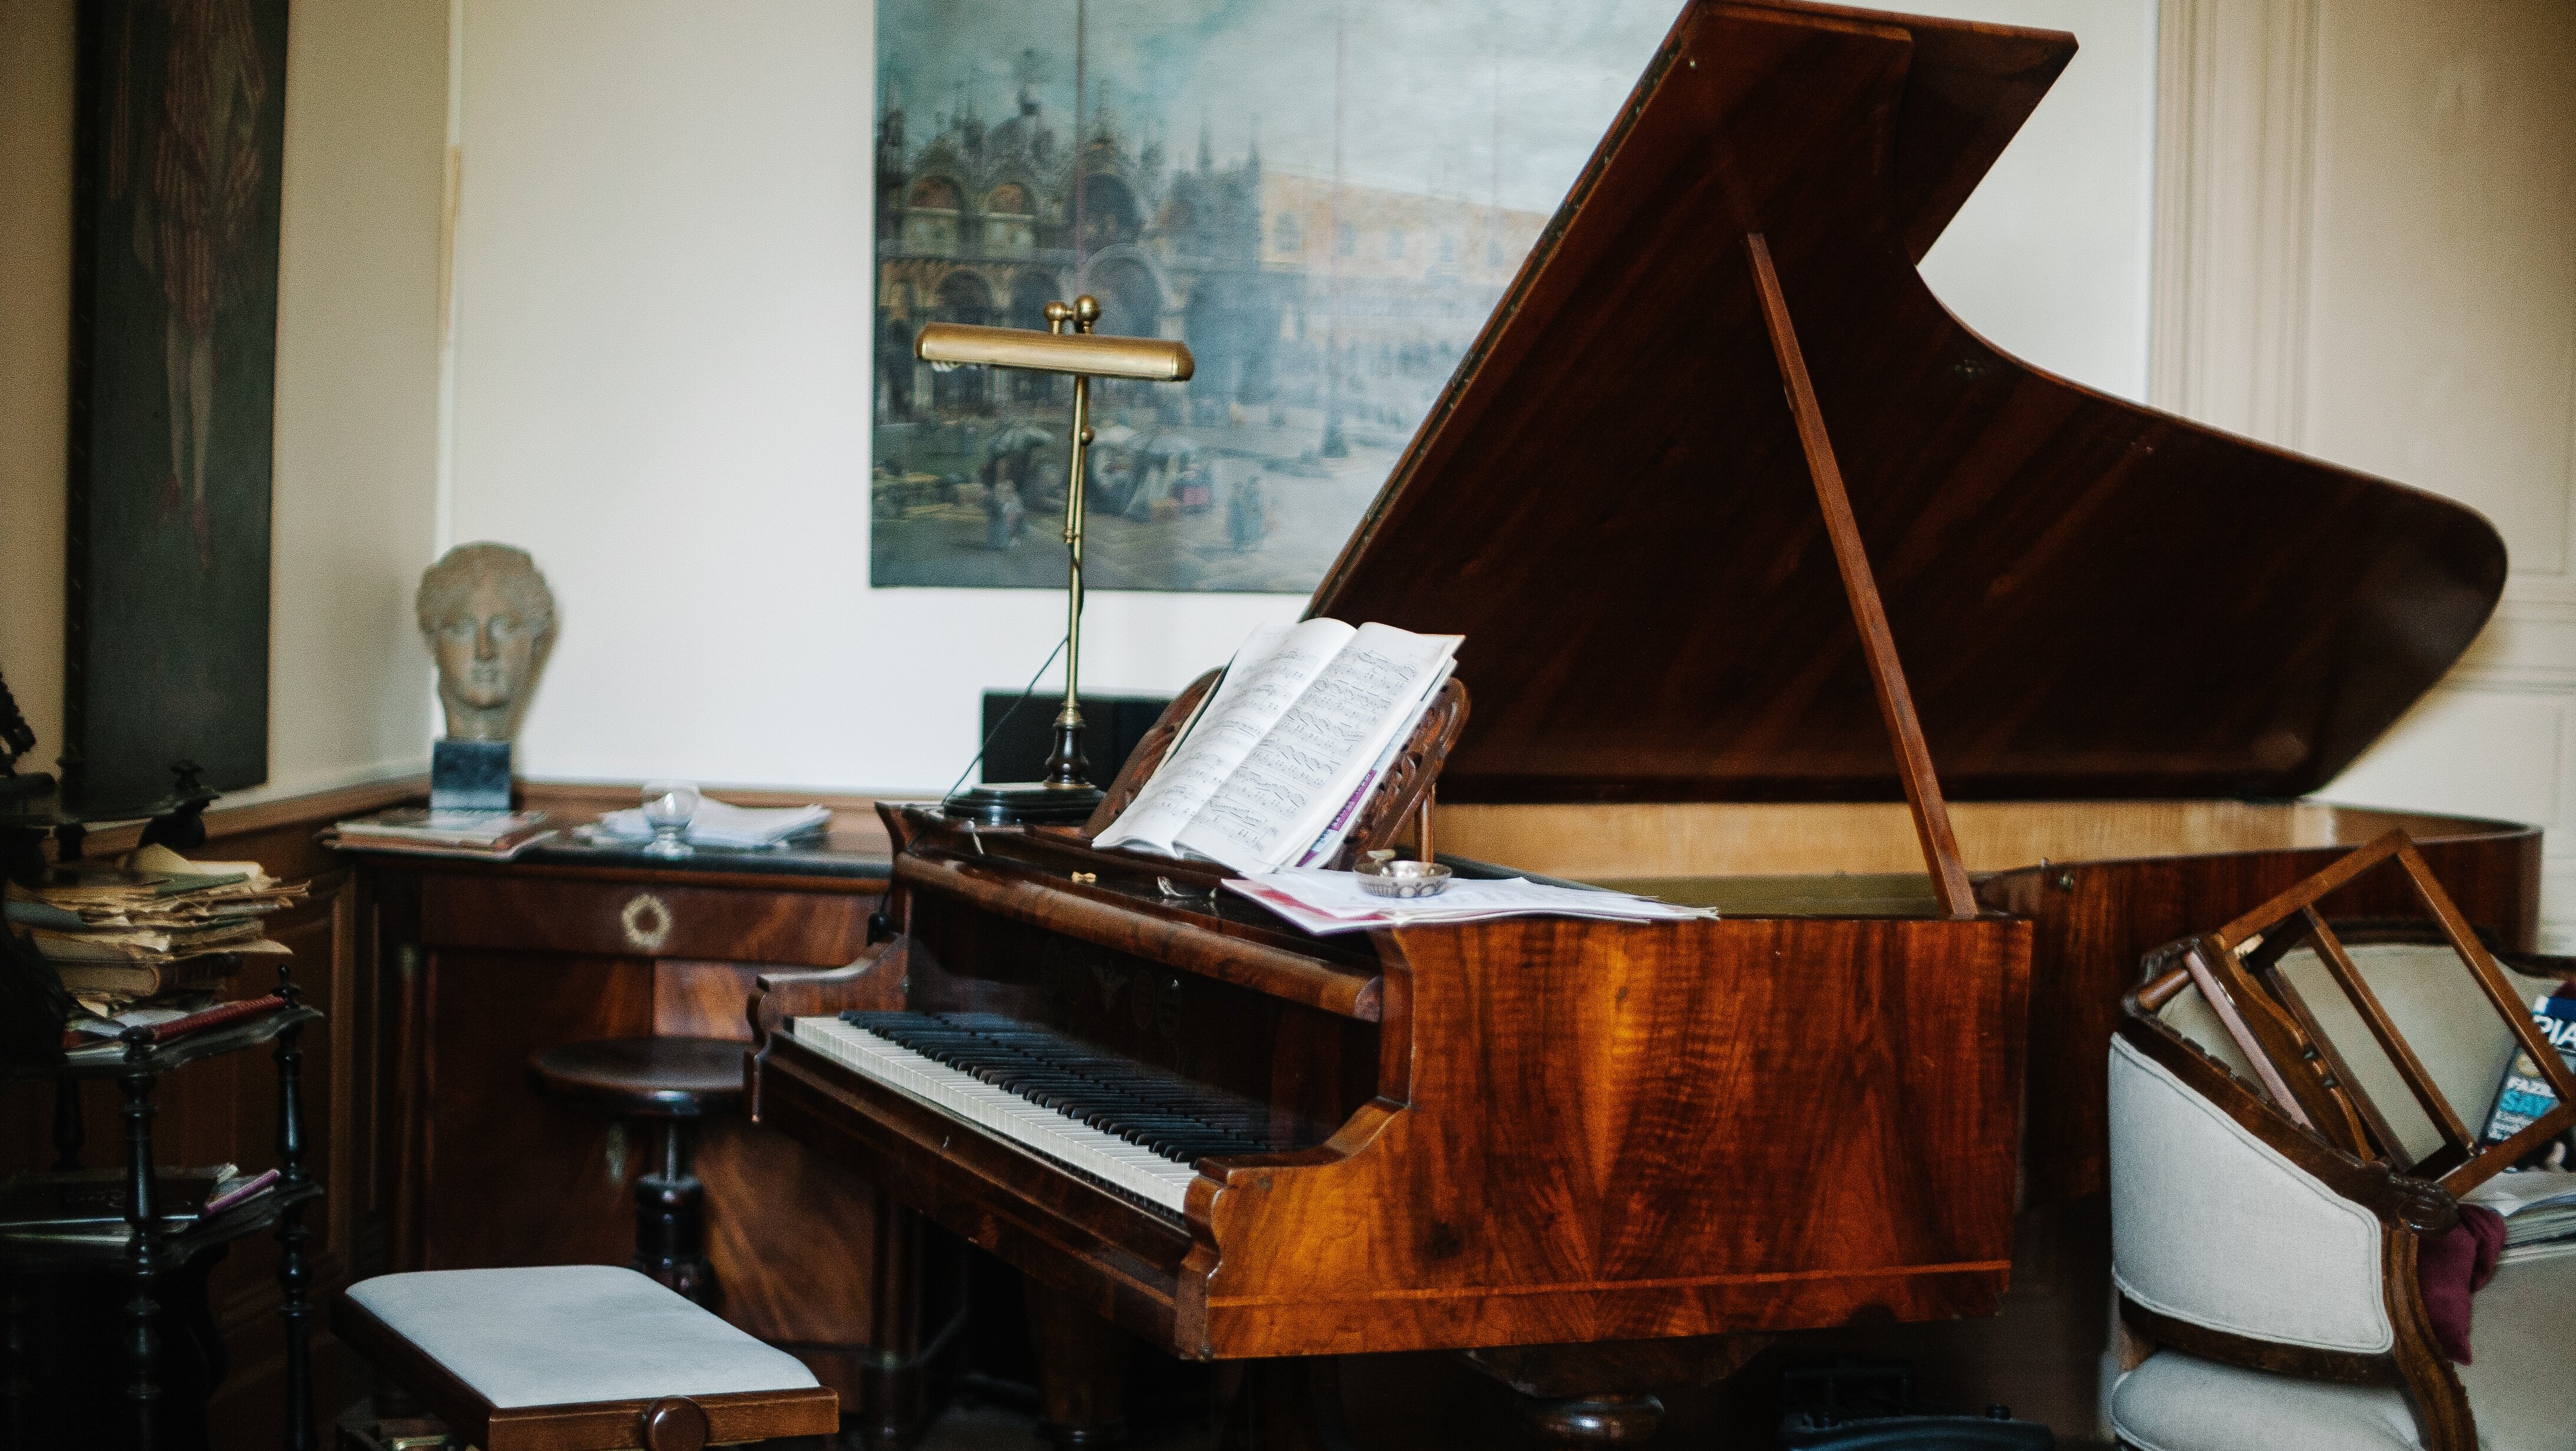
x=1274 y=767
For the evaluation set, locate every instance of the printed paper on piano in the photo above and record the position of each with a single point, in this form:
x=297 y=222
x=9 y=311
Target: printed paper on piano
x=1273 y=769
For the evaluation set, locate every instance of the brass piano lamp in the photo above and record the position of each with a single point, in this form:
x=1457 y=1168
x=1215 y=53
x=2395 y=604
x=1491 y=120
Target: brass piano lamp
x=1068 y=346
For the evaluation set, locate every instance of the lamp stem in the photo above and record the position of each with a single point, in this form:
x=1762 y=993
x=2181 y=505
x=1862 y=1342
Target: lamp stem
x=1066 y=765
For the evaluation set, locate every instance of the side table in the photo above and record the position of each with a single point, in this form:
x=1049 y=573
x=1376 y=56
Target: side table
x=152 y=1260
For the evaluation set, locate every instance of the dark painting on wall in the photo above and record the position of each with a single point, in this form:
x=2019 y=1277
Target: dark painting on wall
x=174 y=354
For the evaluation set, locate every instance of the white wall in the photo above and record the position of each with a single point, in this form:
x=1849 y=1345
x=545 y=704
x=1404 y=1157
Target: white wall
x=357 y=378
x=2370 y=255
x=2051 y=258
x=663 y=261
x=36 y=50
x=357 y=389
x=661 y=380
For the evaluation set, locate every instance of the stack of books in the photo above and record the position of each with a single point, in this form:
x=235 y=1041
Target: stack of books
x=2538 y=1205
x=152 y=924
x=423 y=831
x=87 y=1206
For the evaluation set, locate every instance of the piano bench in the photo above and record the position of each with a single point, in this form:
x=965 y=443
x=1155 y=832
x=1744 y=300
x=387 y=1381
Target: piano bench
x=673 y=1083
x=577 y=1358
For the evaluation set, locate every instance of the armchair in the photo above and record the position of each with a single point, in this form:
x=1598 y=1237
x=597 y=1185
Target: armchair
x=2294 y=1116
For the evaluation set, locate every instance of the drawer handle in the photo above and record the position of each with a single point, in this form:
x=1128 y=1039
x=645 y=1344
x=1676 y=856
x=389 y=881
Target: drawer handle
x=646 y=920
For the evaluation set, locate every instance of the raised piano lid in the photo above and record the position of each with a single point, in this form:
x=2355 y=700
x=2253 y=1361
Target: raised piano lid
x=2090 y=598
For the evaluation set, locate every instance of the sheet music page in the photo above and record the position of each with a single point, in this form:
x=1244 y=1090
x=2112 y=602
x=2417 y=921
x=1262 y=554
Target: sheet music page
x=1288 y=785
x=1269 y=674
x=1338 y=825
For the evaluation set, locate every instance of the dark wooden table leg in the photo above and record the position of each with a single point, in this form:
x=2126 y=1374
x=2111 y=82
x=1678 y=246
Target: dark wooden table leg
x=671 y=1217
x=892 y=1399
x=142 y=1214
x=1082 y=1372
x=293 y=1272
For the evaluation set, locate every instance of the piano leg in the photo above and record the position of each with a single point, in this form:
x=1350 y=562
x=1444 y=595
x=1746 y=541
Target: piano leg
x=891 y=1407
x=1082 y=1372
x=1598 y=1394
x=1287 y=1405
x=1609 y=1419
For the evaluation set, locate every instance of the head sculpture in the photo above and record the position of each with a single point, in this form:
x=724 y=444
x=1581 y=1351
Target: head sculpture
x=490 y=621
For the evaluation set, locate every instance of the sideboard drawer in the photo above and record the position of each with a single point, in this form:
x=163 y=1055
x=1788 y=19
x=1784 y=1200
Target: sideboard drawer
x=615 y=919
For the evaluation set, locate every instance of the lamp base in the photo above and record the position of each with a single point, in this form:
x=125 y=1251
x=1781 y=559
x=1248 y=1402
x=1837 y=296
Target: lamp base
x=1023 y=803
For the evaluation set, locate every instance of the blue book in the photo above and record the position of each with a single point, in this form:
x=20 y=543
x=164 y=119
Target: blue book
x=2524 y=1094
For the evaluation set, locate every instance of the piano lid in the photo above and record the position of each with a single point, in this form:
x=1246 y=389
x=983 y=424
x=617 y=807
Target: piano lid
x=2090 y=598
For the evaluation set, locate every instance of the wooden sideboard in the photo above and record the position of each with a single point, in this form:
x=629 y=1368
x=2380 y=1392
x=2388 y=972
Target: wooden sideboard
x=480 y=965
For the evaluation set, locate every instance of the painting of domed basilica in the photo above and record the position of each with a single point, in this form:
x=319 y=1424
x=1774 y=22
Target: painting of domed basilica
x=1324 y=201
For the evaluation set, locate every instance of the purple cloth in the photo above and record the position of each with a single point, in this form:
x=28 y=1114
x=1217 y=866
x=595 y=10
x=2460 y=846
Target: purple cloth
x=2453 y=1265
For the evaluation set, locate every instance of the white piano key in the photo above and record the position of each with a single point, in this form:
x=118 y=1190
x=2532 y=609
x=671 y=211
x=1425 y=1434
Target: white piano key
x=1138 y=1170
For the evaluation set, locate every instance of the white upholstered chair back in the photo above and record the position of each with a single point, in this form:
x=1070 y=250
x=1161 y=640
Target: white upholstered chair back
x=2460 y=1038
x=2212 y=1226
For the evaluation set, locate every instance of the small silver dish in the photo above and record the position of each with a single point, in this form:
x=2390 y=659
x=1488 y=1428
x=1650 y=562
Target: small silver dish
x=1383 y=876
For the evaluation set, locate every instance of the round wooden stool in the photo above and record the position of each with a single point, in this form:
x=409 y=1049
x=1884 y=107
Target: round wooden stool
x=674 y=1082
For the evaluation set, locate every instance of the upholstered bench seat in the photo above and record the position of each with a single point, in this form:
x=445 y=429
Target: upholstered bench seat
x=589 y=1353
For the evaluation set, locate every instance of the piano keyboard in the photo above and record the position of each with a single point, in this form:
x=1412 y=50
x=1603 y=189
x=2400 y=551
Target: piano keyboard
x=1131 y=1127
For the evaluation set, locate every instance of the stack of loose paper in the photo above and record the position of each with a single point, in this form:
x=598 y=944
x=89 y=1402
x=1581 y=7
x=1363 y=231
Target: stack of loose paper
x=154 y=923
x=1324 y=902
x=2538 y=1205
x=1274 y=768
x=718 y=824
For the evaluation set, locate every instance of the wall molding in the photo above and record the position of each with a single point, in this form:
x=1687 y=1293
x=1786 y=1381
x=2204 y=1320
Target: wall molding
x=2237 y=139
x=2233 y=220
x=2245 y=92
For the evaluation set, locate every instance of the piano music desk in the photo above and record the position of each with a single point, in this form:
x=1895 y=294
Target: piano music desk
x=483 y=964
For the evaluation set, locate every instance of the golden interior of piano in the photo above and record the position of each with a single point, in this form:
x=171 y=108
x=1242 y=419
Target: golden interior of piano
x=1843 y=859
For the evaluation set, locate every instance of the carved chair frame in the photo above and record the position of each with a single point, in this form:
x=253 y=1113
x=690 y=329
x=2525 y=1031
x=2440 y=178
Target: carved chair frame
x=2310 y=1109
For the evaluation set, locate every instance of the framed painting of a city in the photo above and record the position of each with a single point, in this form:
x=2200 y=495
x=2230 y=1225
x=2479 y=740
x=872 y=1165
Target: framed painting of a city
x=1325 y=202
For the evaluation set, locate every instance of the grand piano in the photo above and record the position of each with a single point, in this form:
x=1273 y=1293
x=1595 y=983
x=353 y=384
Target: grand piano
x=1954 y=686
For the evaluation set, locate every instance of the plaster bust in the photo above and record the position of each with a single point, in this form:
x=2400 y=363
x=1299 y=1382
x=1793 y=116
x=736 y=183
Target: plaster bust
x=490 y=621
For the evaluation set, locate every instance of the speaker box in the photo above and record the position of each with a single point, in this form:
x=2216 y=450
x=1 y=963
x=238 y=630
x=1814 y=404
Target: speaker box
x=1111 y=727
